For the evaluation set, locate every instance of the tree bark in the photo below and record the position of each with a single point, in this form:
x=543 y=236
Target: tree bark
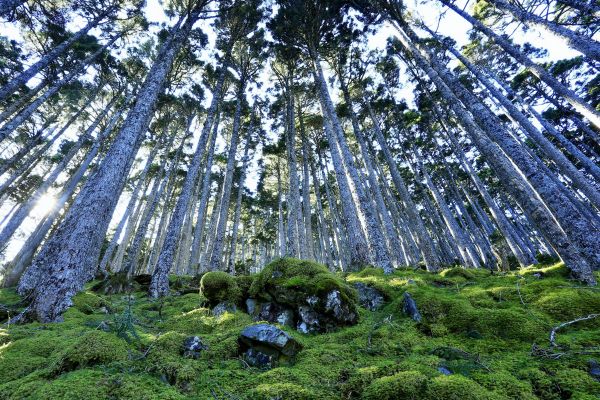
x=46 y=59
x=585 y=45
x=581 y=106
x=69 y=257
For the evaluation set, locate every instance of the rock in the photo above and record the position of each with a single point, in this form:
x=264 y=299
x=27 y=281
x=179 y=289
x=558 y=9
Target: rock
x=537 y=275
x=103 y=310
x=192 y=346
x=594 y=370
x=319 y=300
x=224 y=307
x=411 y=282
x=339 y=308
x=251 y=306
x=444 y=370
x=409 y=307
x=265 y=345
x=309 y=320
x=273 y=312
x=103 y=326
x=369 y=297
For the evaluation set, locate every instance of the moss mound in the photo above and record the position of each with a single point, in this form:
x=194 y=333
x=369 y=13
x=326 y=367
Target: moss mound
x=95 y=347
x=289 y=281
x=403 y=385
x=478 y=328
x=219 y=286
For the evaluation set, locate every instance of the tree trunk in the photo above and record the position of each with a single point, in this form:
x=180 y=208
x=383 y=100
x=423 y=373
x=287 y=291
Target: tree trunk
x=25 y=255
x=375 y=238
x=295 y=234
x=585 y=45
x=160 y=279
x=69 y=257
x=581 y=106
x=511 y=178
x=219 y=240
x=238 y=201
x=310 y=252
x=22 y=116
x=19 y=216
x=204 y=197
x=432 y=262
x=549 y=150
x=46 y=59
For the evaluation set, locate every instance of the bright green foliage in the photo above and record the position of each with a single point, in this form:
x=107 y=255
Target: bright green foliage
x=477 y=325
x=219 y=286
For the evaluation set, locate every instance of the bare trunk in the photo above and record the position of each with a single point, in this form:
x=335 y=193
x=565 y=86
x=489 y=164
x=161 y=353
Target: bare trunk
x=581 y=106
x=45 y=60
x=585 y=45
x=513 y=179
x=68 y=259
x=204 y=197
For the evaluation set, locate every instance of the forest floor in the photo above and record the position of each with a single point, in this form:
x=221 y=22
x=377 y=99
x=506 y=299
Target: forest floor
x=482 y=336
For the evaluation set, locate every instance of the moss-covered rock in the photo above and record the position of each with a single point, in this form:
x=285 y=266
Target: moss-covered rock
x=321 y=300
x=219 y=286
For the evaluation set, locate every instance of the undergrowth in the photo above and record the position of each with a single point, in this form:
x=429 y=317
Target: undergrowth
x=477 y=327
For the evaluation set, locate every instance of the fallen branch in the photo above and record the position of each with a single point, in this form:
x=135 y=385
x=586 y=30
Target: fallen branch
x=560 y=326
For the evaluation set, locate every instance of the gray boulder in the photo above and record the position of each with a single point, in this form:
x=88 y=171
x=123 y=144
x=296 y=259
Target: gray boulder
x=409 y=307
x=275 y=313
x=265 y=345
x=192 y=346
x=369 y=297
x=251 y=306
x=224 y=307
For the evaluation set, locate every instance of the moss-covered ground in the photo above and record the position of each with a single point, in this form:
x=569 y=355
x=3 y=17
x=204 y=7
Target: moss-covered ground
x=490 y=331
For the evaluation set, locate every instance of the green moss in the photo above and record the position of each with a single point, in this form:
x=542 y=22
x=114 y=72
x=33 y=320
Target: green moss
x=360 y=378
x=568 y=304
x=88 y=303
x=385 y=355
x=219 y=286
x=505 y=384
x=457 y=387
x=287 y=391
x=288 y=281
x=403 y=385
x=82 y=384
x=142 y=387
x=572 y=381
x=94 y=347
x=467 y=273
x=244 y=282
x=165 y=359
